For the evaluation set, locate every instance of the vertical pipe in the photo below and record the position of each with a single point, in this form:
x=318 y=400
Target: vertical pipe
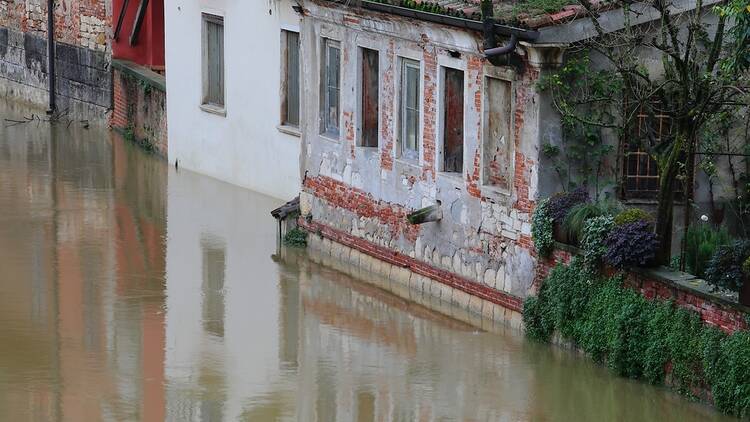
x=51 y=54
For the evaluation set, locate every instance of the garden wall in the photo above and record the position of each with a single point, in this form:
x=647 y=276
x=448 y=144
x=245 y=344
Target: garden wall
x=140 y=105
x=686 y=290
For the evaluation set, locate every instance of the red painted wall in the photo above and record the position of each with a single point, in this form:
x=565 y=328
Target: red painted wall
x=149 y=48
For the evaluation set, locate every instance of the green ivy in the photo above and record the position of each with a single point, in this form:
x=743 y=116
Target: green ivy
x=640 y=338
x=295 y=237
x=595 y=231
x=541 y=228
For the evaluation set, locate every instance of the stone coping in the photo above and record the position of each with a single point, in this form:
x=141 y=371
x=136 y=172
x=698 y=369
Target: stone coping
x=141 y=73
x=677 y=279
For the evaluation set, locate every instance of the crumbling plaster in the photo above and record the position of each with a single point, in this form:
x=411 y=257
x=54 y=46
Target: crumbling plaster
x=484 y=234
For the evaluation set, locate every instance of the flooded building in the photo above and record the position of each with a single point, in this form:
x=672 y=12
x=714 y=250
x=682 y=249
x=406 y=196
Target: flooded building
x=410 y=113
x=83 y=82
x=236 y=92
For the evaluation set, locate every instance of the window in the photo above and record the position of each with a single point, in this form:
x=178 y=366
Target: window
x=641 y=174
x=409 y=131
x=453 y=121
x=331 y=87
x=370 y=97
x=290 y=103
x=213 y=61
x=497 y=167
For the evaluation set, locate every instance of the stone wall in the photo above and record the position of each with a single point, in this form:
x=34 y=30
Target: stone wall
x=82 y=32
x=484 y=236
x=140 y=105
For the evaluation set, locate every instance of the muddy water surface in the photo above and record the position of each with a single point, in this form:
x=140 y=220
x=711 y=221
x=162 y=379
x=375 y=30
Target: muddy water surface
x=130 y=291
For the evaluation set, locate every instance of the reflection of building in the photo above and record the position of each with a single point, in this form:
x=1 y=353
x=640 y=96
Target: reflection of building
x=88 y=237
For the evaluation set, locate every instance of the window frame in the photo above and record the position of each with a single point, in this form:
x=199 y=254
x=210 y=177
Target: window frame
x=504 y=76
x=361 y=50
x=405 y=64
x=325 y=101
x=206 y=103
x=284 y=117
x=442 y=121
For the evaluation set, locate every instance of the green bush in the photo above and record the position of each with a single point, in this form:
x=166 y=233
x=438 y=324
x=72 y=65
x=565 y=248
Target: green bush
x=633 y=215
x=295 y=237
x=701 y=242
x=640 y=338
x=576 y=218
x=725 y=269
x=541 y=228
x=595 y=232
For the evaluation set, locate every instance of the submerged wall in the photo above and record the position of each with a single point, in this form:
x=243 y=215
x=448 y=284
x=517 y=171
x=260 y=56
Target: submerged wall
x=83 y=77
x=361 y=195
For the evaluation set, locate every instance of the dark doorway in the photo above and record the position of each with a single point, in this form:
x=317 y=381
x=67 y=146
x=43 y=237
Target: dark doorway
x=370 y=97
x=453 y=121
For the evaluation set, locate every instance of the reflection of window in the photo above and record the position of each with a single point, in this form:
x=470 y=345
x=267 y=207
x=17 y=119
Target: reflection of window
x=409 y=108
x=290 y=82
x=497 y=144
x=640 y=171
x=331 y=87
x=213 y=60
x=370 y=98
x=453 y=121
x=214 y=264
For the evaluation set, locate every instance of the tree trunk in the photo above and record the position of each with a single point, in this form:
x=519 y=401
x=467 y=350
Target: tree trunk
x=665 y=207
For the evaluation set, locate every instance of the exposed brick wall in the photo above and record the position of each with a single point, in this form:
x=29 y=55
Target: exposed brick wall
x=83 y=23
x=713 y=311
x=140 y=106
x=429 y=111
x=82 y=33
x=387 y=123
x=418 y=267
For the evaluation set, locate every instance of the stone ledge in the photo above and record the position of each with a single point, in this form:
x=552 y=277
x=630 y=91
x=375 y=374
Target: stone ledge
x=141 y=73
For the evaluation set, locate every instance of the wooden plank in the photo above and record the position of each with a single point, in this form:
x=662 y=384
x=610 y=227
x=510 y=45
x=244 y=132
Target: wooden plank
x=138 y=22
x=120 y=19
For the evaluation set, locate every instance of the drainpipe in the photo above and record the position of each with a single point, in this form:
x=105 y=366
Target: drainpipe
x=488 y=29
x=51 y=54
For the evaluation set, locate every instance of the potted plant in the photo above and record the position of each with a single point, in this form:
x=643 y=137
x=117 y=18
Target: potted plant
x=558 y=207
x=729 y=269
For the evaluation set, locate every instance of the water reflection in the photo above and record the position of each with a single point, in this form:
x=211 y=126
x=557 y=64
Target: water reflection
x=131 y=291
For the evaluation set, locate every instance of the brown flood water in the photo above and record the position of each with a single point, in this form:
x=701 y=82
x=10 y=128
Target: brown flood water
x=130 y=291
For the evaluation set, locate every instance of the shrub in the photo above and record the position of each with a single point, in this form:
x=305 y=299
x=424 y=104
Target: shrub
x=633 y=215
x=595 y=232
x=541 y=228
x=576 y=218
x=295 y=237
x=724 y=270
x=632 y=244
x=640 y=338
x=560 y=203
x=701 y=243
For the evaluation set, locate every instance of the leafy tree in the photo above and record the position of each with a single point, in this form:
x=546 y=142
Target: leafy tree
x=703 y=59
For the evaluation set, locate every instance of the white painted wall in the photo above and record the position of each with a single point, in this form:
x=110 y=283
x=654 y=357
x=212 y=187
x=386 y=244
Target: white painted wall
x=245 y=147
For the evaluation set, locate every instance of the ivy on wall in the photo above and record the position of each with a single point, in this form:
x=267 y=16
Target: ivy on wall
x=642 y=339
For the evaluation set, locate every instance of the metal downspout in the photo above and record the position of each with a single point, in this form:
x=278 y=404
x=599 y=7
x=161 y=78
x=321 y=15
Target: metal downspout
x=51 y=55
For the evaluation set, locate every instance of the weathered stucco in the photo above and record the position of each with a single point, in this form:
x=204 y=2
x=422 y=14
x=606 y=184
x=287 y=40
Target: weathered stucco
x=485 y=231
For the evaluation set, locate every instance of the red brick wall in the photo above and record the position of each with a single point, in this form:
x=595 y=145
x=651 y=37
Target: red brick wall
x=140 y=108
x=712 y=311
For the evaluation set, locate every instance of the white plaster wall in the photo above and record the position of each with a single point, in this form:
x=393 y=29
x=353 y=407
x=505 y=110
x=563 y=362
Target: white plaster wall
x=244 y=147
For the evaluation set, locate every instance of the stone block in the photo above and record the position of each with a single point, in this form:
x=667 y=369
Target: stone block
x=475 y=305
x=460 y=299
x=490 y=277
